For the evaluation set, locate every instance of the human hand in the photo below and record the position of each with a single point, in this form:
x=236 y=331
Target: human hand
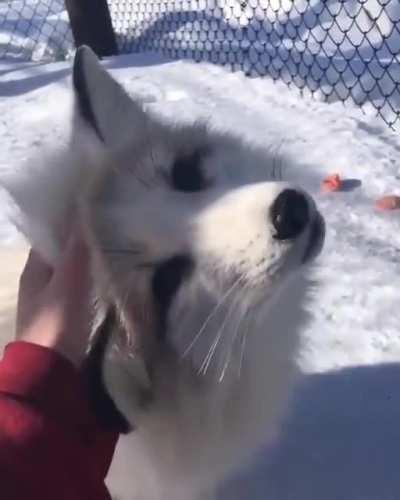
x=54 y=304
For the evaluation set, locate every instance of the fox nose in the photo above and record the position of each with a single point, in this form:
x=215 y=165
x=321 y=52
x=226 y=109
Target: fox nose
x=289 y=214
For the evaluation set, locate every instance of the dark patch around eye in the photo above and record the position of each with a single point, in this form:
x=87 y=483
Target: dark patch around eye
x=166 y=281
x=187 y=173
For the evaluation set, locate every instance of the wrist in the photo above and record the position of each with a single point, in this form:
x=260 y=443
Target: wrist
x=56 y=338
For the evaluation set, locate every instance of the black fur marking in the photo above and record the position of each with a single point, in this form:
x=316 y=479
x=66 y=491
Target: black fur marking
x=187 y=174
x=166 y=281
x=82 y=92
x=103 y=406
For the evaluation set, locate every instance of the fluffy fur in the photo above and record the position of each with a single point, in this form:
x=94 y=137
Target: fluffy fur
x=204 y=370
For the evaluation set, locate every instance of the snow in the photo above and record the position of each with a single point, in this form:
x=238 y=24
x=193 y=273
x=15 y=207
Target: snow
x=342 y=437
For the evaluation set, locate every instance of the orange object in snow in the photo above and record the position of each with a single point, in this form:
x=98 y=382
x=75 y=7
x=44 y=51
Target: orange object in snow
x=391 y=202
x=332 y=183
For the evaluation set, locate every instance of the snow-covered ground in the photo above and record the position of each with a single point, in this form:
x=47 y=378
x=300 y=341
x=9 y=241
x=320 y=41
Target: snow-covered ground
x=342 y=437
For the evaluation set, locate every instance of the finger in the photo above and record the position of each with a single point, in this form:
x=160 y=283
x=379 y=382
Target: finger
x=73 y=270
x=35 y=275
x=76 y=258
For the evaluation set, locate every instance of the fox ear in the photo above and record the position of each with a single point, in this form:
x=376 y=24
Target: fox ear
x=103 y=103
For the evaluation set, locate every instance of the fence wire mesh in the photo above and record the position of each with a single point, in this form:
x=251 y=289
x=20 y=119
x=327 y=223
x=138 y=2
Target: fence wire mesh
x=34 y=30
x=336 y=50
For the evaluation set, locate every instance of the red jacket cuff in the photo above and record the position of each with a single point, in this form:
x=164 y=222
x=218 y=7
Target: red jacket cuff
x=45 y=379
x=37 y=376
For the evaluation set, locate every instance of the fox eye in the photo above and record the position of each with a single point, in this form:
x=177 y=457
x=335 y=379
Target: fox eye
x=187 y=173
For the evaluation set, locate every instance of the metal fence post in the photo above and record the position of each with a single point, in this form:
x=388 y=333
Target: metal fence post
x=91 y=25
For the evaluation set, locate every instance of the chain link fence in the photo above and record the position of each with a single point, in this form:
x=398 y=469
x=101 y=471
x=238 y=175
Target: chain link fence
x=336 y=50
x=34 y=30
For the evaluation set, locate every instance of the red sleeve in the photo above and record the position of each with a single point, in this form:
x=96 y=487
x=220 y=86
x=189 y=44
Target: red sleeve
x=50 y=445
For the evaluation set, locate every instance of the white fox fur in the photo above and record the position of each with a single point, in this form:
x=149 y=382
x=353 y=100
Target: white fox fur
x=220 y=376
